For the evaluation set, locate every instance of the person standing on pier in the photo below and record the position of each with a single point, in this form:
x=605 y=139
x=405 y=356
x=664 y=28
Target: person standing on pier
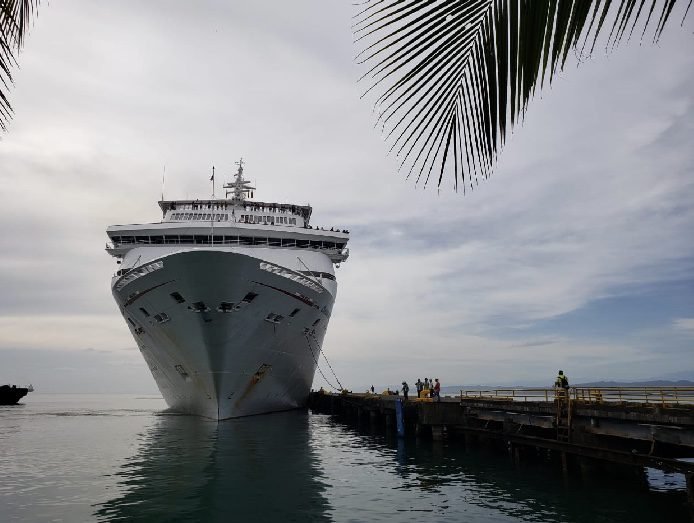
x=420 y=387
x=405 y=389
x=426 y=387
x=562 y=381
x=437 y=390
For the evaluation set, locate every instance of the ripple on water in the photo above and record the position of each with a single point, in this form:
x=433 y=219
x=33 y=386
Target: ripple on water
x=124 y=459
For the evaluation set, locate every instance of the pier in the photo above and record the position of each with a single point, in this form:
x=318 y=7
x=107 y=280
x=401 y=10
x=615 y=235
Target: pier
x=643 y=427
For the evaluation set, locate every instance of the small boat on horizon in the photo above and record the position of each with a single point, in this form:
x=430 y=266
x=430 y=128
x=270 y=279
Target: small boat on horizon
x=11 y=394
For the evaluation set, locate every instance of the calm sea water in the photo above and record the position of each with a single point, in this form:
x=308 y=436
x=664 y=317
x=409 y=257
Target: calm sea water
x=80 y=458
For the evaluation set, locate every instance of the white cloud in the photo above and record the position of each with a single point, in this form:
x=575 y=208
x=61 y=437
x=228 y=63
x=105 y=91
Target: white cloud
x=685 y=324
x=591 y=197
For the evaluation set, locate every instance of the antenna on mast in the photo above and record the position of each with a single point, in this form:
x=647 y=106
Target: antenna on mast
x=239 y=188
x=163 y=176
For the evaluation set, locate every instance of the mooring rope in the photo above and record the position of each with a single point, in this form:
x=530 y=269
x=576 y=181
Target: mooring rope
x=319 y=369
x=331 y=367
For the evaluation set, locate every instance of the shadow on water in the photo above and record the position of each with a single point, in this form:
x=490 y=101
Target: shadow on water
x=259 y=469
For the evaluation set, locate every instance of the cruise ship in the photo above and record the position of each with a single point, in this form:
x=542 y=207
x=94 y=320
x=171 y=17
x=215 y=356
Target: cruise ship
x=228 y=299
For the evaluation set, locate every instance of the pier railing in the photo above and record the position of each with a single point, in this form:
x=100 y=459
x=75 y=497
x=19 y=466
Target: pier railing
x=510 y=394
x=663 y=396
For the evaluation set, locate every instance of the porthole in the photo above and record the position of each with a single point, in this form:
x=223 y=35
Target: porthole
x=162 y=317
x=225 y=306
x=199 y=306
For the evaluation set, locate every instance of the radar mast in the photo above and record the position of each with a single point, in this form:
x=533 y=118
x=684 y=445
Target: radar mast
x=240 y=189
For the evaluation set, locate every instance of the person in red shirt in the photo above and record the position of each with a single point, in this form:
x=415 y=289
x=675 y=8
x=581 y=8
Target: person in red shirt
x=437 y=389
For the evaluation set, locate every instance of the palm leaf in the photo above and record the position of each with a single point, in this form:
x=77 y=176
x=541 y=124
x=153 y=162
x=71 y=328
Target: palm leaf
x=15 y=16
x=450 y=78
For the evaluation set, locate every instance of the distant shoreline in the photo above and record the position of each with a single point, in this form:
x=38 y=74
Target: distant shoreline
x=597 y=384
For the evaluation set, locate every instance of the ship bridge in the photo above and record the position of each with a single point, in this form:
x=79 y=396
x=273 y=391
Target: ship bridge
x=234 y=220
x=235 y=211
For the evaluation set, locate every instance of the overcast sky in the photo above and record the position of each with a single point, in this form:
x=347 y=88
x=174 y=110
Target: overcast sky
x=578 y=253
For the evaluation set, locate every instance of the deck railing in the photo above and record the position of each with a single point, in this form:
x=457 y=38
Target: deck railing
x=224 y=240
x=664 y=396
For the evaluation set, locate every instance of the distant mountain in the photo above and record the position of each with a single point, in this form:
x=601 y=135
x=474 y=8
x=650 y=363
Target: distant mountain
x=676 y=376
x=650 y=383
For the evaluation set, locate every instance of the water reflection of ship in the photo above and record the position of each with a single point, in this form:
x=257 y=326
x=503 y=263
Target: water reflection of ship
x=533 y=490
x=252 y=469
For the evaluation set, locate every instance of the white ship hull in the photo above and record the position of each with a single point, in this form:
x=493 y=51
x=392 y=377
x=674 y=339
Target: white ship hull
x=231 y=357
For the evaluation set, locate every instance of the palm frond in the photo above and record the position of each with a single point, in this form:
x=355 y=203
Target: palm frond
x=450 y=78
x=15 y=16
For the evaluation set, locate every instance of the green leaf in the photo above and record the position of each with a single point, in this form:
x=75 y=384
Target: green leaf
x=447 y=75
x=15 y=16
